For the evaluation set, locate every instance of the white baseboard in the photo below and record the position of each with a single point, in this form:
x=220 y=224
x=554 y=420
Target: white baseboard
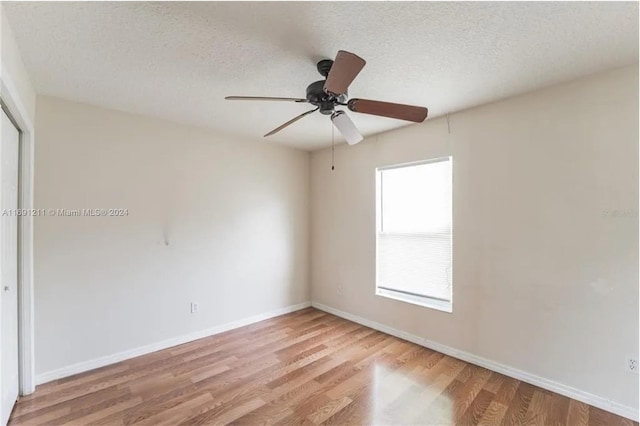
x=568 y=391
x=142 y=350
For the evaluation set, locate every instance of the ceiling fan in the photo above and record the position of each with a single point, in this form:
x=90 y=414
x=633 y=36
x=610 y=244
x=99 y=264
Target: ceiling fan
x=327 y=94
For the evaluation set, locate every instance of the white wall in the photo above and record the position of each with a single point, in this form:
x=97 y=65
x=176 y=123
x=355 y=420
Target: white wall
x=545 y=277
x=235 y=214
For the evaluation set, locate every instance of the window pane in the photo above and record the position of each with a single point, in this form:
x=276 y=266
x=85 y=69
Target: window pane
x=417 y=198
x=414 y=239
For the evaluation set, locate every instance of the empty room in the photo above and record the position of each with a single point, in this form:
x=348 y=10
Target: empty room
x=305 y=213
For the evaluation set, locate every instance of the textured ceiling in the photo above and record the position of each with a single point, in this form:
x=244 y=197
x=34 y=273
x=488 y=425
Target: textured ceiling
x=178 y=60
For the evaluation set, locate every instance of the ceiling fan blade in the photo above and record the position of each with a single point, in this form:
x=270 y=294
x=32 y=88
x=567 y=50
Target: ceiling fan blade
x=262 y=98
x=344 y=70
x=293 y=120
x=345 y=126
x=387 y=109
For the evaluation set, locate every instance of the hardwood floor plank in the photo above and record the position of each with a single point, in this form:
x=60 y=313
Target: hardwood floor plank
x=304 y=368
x=96 y=417
x=476 y=409
x=598 y=417
x=344 y=369
x=328 y=410
x=468 y=392
x=441 y=410
x=433 y=359
x=158 y=405
x=282 y=406
x=494 y=383
x=517 y=411
x=557 y=410
x=42 y=419
x=578 y=414
x=225 y=416
x=77 y=380
x=406 y=405
x=24 y=413
x=87 y=413
x=439 y=381
x=180 y=412
x=493 y=415
x=507 y=391
x=535 y=413
x=369 y=385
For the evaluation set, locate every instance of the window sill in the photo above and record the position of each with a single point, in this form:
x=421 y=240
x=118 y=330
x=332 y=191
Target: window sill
x=416 y=300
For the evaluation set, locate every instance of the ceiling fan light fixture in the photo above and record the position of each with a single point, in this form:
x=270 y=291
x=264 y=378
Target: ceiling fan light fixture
x=346 y=127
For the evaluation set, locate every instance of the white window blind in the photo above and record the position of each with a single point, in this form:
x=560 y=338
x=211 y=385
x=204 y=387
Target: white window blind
x=413 y=239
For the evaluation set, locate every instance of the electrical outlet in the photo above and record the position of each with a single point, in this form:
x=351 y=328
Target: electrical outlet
x=194 y=307
x=631 y=364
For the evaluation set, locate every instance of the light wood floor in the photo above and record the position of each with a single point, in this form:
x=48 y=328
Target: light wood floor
x=307 y=367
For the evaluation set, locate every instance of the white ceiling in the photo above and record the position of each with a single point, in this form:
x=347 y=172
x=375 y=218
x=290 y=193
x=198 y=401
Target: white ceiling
x=179 y=60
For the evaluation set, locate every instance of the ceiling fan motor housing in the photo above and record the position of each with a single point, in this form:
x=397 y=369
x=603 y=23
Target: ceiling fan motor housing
x=325 y=101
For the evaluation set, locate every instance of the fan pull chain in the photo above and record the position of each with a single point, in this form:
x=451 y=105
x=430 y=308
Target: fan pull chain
x=448 y=126
x=332 y=147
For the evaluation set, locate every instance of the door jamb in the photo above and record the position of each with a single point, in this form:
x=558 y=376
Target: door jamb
x=14 y=106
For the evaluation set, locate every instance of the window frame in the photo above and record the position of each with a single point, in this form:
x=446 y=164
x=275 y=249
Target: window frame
x=407 y=297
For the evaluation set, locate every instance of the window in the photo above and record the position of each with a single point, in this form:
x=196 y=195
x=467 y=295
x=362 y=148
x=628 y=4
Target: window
x=413 y=241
